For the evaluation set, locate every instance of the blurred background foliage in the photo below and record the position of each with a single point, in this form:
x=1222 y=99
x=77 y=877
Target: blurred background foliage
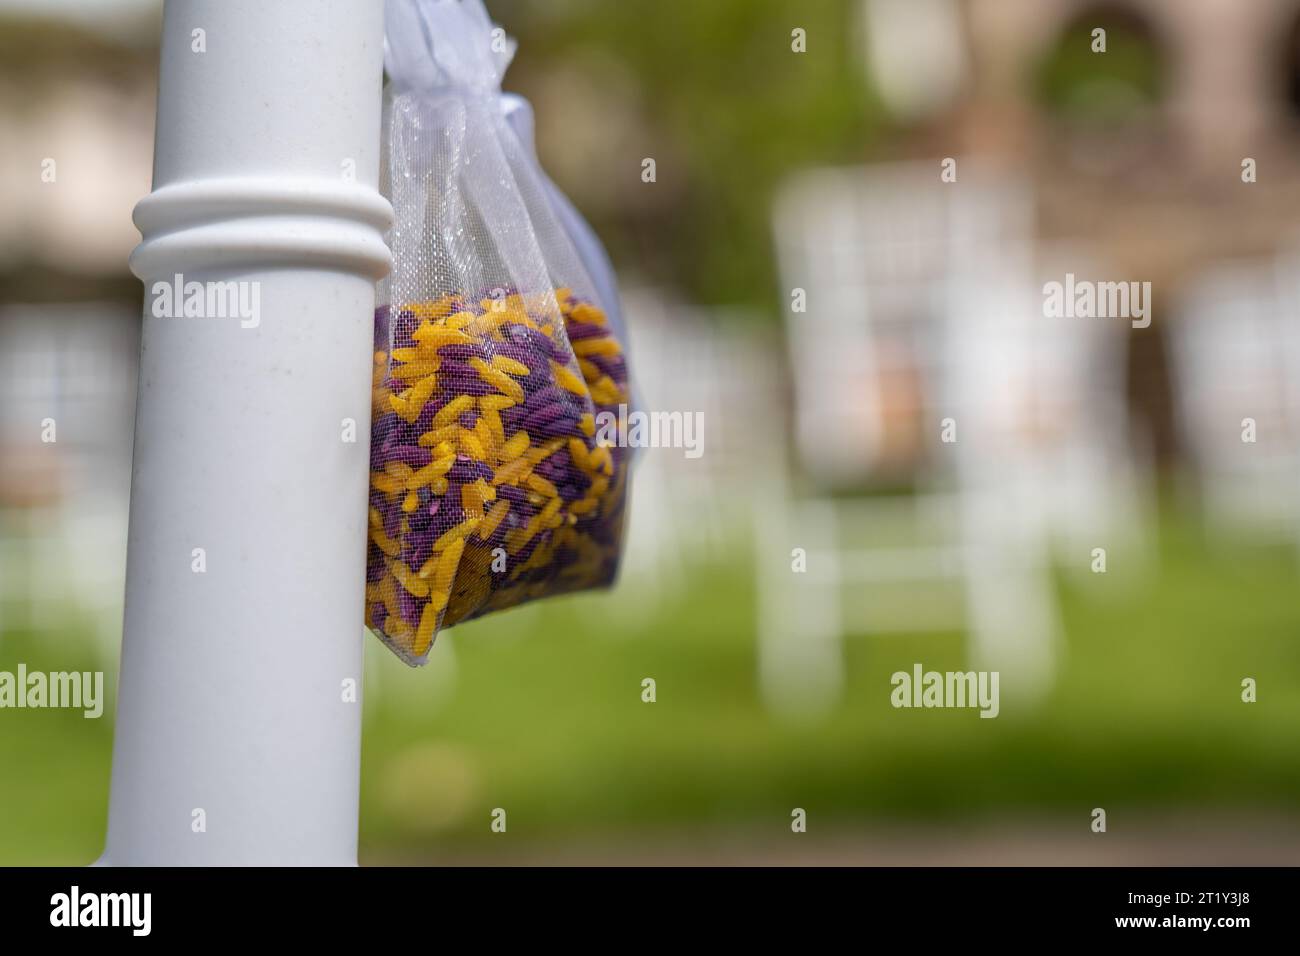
x=1124 y=84
x=710 y=91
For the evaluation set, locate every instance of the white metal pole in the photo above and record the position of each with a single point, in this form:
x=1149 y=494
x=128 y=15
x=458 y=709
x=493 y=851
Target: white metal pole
x=238 y=731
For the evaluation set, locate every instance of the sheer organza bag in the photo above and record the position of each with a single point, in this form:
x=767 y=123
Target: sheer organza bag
x=495 y=477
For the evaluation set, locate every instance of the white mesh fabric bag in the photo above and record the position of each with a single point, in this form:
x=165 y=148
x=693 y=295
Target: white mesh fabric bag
x=497 y=470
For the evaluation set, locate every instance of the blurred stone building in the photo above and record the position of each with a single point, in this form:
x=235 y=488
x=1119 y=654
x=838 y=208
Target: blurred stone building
x=1134 y=156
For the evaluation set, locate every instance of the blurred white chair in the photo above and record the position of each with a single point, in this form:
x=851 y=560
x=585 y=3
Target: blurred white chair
x=74 y=365
x=1236 y=357
x=925 y=304
x=688 y=511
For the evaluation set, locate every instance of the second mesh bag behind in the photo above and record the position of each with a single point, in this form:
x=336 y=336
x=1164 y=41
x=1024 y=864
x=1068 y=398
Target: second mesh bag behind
x=497 y=473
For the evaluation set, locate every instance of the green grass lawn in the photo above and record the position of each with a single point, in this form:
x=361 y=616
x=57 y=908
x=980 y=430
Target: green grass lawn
x=539 y=712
